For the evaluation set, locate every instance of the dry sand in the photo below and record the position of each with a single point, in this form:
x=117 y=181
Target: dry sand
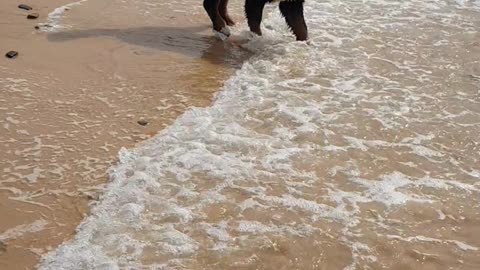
x=72 y=99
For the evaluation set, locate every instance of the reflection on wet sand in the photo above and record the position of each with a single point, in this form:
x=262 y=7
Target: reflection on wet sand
x=188 y=41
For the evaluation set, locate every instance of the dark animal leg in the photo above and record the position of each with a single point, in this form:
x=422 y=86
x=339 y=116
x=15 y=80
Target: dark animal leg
x=293 y=13
x=222 y=9
x=211 y=6
x=254 y=12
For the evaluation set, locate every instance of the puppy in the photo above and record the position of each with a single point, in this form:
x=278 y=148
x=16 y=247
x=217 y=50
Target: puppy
x=292 y=11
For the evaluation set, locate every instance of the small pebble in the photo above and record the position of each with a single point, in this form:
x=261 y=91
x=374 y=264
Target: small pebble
x=142 y=122
x=92 y=197
x=37 y=27
x=11 y=54
x=23 y=6
x=32 y=16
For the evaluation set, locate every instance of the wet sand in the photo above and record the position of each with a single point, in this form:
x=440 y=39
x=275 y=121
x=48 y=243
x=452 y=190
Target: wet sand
x=73 y=98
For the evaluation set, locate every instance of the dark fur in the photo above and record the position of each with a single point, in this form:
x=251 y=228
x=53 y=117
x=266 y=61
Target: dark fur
x=292 y=10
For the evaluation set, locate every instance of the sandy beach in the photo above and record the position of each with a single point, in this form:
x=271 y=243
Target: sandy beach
x=132 y=138
x=72 y=98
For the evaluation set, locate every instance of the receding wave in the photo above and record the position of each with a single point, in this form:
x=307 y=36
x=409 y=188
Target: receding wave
x=358 y=150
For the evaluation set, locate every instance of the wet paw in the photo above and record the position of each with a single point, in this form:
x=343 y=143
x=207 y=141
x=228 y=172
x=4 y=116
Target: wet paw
x=223 y=34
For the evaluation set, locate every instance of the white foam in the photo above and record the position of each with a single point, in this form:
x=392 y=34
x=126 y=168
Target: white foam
x=54 y=17
x=457 y=243
x=20 y=230
x=219 y=232
x=253 y=227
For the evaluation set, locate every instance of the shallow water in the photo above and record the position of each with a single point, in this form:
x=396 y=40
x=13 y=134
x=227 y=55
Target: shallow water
x=72 y=99
x=357 y=151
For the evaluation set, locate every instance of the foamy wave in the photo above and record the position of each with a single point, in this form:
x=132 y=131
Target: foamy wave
x=346 y=142
x=54 y=17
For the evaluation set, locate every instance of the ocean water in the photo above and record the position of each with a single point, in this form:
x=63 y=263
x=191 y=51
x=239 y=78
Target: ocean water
x=358 y=150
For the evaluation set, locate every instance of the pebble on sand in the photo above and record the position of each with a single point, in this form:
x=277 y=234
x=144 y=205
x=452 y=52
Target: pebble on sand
x=11 y=54
x=39 y=26
x=142 y=122
x=32 y=16
x=26 y=7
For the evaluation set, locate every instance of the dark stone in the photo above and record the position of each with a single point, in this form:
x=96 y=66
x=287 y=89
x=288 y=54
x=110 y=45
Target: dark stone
x=40 y=26
x=91 y=197
x=32 y=16
x=142 y=122
x=11 y=54
x=23 y=6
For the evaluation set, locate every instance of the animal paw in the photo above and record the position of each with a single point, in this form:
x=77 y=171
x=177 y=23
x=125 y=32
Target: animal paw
x=223 y=34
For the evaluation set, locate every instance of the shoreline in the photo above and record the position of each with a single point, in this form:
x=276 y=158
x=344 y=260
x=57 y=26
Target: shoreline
x=73 y=99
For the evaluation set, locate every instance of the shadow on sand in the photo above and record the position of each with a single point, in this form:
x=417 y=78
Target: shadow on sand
x=196 y=42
